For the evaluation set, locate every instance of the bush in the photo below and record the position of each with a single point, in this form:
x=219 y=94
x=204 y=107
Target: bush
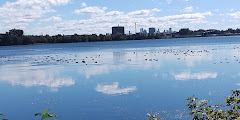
x=201 y=110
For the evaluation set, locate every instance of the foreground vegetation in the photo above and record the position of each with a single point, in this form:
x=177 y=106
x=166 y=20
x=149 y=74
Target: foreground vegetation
x=199 y=109
x=45 y=114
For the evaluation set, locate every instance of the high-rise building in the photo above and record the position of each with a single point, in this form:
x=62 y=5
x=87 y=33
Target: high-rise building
x=117 y=29
x=145 y=32
x=158 y=31
x=152 y=31
x=141 y=30
x=164 y=33
x=170 y=30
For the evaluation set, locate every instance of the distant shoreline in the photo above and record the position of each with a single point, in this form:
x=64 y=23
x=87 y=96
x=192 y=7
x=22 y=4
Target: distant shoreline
x=16 y=37
x=129 y=40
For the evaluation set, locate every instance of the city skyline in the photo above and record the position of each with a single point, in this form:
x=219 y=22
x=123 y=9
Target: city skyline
x=98 y=17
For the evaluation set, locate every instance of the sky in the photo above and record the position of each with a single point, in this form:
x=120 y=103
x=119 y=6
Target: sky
x=52 y=17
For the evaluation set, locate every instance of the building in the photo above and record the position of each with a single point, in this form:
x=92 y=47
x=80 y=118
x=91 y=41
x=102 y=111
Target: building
x=143 y=32
x=170 y=31
x=152 y=31
x=158 y=31
x=164 y=33
x=118 y=29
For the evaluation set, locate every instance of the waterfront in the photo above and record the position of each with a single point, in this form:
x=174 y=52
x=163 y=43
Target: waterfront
x=117 y=80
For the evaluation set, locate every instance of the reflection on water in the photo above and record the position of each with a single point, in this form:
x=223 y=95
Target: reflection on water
x=114 y=89
x=142 y=77
x=194 y=76
x=29 y=76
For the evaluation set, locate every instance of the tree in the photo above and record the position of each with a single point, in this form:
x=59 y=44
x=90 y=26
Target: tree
x=185 y=31
x=230 y=30
x=27 y=40
x=1 y=39
x=118 y=36
x=16 y=32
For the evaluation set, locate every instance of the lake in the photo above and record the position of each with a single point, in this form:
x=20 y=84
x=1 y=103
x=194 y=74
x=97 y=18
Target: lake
x=121 y=80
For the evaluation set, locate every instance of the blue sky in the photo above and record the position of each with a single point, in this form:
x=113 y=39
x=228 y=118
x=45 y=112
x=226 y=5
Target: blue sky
x=68 y=17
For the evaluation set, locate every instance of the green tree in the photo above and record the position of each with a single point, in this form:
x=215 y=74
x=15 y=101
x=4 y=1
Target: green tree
x=119 y=36
x=185 y=31
x=27 y=40
x=1 y=39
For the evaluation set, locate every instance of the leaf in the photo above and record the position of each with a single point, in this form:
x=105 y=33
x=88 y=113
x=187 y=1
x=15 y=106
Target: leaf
x=38 y=114
x=46 y=116
x=44 y=111
x=1 y=114
x=194 y=111
x=55 y=116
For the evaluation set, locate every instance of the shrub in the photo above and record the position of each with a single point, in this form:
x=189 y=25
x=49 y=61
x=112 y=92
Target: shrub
x=201 y=110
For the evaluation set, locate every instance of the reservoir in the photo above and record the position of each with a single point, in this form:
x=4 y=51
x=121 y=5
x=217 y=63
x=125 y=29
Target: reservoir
x=120 y=80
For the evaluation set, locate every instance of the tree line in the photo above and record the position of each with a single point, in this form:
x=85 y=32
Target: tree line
x=17 y=37
x=14 y=39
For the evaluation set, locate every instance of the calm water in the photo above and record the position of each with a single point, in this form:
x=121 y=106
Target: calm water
x=117 y=80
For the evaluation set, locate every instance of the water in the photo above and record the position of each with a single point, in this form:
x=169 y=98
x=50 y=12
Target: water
x=118 y=80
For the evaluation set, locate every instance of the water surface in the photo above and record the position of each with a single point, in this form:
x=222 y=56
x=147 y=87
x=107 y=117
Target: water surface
x=117 y=80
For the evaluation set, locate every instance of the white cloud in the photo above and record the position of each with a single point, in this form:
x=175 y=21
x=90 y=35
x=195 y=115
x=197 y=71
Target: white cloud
x=198 y=76
x=188 y=9
x=18 y=14
x=234 y=15
x=184 y=17
x=83 y=4
x=156 y=10
x=101 y=22
x=53 y=2
x=90 y=10
x=113 y=89
x=52 y=19
x=114 y=13
x=207 y=13
x=139 y=13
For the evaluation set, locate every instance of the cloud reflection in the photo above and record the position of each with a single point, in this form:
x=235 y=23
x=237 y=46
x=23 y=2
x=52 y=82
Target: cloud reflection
x=198 y=76
x=27 y=76
x=113 y=89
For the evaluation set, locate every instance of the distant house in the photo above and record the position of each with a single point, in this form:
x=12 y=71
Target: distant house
x=118 y=29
